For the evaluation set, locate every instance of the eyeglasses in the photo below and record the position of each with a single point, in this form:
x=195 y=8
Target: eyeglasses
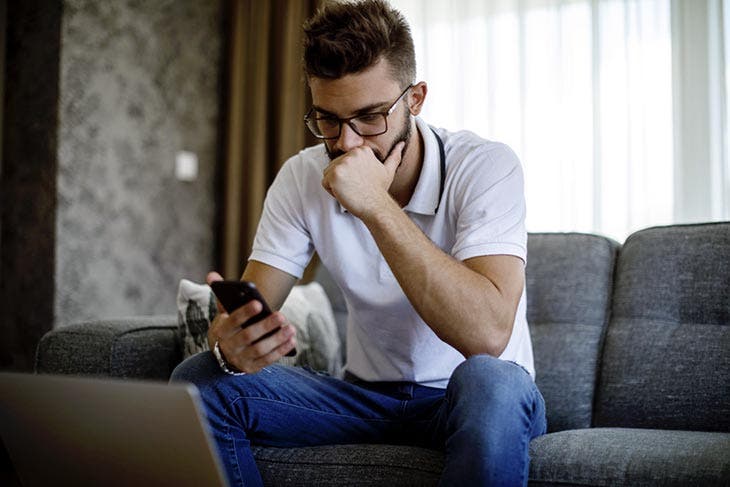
x=367 y=125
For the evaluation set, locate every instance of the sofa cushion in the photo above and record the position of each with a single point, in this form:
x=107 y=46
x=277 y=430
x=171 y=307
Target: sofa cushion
x=666 y=361
x=631 y=457
x=351 y=465
x=569 y=281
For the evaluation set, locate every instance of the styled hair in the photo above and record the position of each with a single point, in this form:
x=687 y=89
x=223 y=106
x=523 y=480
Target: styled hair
x=347 y=37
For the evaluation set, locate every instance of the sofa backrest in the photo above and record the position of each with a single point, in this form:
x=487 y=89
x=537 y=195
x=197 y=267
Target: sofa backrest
x=569 y=284
x=666 y=359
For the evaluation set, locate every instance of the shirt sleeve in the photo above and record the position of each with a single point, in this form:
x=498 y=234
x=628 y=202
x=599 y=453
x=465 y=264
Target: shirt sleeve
x=491 y=206
x=282 y=239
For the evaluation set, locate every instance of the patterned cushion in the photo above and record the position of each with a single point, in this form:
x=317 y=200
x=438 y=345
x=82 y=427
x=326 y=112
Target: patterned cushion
x=569 y=279
x=666 y=361
x=196 y=308
x=307 y=308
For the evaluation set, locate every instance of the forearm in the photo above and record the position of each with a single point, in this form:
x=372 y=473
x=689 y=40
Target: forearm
x=463 y=307
x=273 y=283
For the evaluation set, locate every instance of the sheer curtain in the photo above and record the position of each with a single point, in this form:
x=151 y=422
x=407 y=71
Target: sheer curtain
x=582 y=90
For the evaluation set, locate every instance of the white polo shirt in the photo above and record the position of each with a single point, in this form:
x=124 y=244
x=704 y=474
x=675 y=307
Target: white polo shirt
x=481 y=211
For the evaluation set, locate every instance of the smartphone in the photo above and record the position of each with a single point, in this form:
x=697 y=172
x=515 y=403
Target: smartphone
x=234 y=294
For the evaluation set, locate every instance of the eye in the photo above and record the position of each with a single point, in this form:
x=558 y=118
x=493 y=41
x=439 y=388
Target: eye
x=370 y=118
x=328 y=122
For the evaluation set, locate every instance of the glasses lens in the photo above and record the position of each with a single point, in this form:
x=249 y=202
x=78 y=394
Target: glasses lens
x=328 y=126
x=366 y=125
x=370 y=124
x=323 y=128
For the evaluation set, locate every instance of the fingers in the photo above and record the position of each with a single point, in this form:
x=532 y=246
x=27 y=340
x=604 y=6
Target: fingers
x=230 y=323
x=357 y=177
x=252 y=356
x=262 y=348
x=275 y=354
x=258 y=330
x=213 y=276
x=210 y=279
x=392 y=162
x=226 y=325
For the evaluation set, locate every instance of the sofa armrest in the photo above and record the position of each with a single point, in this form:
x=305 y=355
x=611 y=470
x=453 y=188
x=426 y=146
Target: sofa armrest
x=140 y=347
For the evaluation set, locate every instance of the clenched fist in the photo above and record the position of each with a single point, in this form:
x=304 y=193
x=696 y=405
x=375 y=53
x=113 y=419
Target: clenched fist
x=359 y=181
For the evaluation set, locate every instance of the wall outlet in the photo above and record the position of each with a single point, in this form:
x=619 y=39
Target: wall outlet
x=186 y=166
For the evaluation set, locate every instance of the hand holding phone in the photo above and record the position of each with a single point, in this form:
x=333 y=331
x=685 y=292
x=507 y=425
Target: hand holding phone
x=234 y=294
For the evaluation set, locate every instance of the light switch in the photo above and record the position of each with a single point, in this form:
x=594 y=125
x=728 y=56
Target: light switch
x=186 y=166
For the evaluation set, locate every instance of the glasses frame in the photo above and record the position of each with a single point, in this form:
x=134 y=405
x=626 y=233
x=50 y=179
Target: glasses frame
x=385 y=114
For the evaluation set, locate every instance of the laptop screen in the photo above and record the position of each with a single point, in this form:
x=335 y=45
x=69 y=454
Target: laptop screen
x=61 y=430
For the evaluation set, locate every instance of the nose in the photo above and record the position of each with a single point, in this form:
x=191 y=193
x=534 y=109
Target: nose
x=348 y=139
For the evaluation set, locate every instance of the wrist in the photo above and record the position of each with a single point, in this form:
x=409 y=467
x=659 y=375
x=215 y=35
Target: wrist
x=382 y=215
x=381 y=212
x=223 y=363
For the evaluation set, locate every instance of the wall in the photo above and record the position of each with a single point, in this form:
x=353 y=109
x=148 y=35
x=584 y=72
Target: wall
x=139 y=82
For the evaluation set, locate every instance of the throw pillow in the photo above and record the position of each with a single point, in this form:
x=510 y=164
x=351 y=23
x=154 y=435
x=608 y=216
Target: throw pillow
x=196 y=308
x=307 y=308
x=318 y=344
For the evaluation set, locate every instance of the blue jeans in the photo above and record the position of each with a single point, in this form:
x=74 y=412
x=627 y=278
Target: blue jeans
x=483 y=421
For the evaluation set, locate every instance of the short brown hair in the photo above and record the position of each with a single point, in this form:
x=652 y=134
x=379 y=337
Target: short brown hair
x=346 y=38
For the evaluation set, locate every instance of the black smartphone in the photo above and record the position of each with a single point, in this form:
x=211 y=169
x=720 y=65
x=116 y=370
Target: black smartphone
x=234 y=294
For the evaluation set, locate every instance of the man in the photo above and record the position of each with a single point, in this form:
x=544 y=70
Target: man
x=423 y=230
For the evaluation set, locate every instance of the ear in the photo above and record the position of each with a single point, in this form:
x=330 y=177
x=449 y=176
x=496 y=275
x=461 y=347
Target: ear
x=416 y=97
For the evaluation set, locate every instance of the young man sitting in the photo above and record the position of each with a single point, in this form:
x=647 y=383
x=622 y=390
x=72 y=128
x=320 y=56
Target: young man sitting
x=423 y=230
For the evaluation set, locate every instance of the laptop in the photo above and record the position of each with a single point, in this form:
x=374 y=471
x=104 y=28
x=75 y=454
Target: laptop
x=63 y=430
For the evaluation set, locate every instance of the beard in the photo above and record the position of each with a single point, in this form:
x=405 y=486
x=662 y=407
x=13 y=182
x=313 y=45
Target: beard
x=404 y=135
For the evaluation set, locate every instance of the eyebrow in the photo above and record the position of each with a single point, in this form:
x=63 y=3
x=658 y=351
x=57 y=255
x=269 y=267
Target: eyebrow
x=360 y=111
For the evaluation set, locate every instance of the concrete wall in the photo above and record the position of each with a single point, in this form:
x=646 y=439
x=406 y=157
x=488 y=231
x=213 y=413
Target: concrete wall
x=139 y=81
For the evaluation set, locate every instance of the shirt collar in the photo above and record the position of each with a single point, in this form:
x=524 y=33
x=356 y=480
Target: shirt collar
x=427 y=194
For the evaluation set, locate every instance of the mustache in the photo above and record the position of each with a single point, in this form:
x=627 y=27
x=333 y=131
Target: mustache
x=403 y=136
x=337 y=153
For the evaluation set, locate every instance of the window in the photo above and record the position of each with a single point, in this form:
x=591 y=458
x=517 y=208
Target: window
x=590 y=94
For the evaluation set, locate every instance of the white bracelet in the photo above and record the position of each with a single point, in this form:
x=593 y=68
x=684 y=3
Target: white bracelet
x=225 y=366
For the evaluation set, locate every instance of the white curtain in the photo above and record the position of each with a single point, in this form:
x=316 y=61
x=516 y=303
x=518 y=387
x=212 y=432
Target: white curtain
x=583 y=91
x=723 y=69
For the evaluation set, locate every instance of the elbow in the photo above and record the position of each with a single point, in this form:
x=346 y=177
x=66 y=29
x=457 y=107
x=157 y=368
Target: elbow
x=491 y=325
x=491 y=341
x=494 y=348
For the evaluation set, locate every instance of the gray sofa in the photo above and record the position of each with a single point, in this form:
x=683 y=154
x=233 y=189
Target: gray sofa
x=632 y=351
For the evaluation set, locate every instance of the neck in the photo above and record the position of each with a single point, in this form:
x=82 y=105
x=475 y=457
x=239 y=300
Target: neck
x=406 y=178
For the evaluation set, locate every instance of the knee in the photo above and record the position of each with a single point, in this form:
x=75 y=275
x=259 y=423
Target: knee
x=198 y=369
x=490 y=379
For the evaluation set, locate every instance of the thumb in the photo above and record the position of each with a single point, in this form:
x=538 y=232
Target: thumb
x=213 y=276
x=392 y=162
x=210 y=278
